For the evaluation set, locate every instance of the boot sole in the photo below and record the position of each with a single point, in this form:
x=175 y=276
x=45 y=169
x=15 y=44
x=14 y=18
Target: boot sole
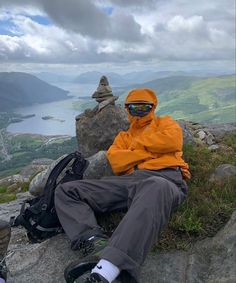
x=73 y=272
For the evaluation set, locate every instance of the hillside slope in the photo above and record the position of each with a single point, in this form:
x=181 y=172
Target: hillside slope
x=21 y=89
x=209 y=100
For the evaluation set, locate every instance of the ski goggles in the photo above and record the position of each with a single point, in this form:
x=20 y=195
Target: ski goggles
x=139 y=109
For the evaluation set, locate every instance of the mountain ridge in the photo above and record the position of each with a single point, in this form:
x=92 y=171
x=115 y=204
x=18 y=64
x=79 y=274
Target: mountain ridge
x=22 y=89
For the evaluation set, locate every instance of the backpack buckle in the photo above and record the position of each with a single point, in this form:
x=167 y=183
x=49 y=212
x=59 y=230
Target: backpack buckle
x=44 y=206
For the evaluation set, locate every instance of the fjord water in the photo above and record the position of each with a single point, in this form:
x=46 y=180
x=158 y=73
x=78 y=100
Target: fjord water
x=63 y=122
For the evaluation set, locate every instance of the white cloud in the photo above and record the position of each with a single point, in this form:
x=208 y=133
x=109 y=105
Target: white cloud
x=86 y=31
x=180 y=24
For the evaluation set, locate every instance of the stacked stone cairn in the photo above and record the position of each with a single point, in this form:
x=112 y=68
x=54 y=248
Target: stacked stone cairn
x=103 y=94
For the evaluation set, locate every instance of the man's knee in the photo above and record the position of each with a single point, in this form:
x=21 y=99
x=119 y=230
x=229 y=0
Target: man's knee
x=155 y=184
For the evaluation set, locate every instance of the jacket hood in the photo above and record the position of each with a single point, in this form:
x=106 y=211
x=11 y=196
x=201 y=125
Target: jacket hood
x=142 y=95
x=137 y=96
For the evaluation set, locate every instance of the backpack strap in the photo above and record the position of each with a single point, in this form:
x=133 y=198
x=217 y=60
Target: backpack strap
x=56 y=171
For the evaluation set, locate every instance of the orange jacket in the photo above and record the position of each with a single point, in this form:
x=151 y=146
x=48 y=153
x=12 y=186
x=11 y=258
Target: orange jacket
x=150 y=143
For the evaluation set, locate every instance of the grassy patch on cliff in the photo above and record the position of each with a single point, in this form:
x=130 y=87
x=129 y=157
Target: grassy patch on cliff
x=209 y=205
x=25 y=148
x=6 y=196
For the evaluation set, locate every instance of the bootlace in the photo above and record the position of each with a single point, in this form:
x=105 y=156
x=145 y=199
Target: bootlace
x=89 y=246
x=92 y=280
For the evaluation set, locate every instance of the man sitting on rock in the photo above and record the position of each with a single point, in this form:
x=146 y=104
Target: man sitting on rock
x=148 y=161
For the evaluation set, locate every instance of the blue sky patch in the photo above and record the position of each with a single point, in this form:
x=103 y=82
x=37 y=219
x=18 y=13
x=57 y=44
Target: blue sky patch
x=107 y=9
x=41 y=20
x=6 y=26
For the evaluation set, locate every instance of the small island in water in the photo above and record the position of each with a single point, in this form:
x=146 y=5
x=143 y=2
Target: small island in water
x=47 y=117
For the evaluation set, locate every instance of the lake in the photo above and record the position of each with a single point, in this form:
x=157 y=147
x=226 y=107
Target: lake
x=63 y=122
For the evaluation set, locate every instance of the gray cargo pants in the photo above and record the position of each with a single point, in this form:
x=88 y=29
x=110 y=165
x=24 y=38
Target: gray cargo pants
x=150 y=196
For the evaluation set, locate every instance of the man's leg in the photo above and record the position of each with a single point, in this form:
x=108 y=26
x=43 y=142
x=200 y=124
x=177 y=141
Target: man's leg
x=77 y=201
x=153 y=198
x=153 y=201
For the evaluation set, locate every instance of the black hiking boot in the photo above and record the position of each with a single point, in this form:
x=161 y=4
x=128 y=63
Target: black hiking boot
x=5 y=235
x=78 y=268
x=90 y=251
x=93 y=246
x=95 y=278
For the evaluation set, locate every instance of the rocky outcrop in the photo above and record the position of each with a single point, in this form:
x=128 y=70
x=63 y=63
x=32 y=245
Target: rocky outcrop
x=35 y=167
x=209 y=261
x=96 y=131
x=223 y=171
x=206 y=135
x=98 y=166
x=38 y=183
x=104 y=95
x=221 y=130
x=97 y=128
x=187 y=133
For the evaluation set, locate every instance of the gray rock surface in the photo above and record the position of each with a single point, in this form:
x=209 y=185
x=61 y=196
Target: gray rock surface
x=103 y=94
x=210 y=261
x=39 y=181
x=98 y=167
x=7 y=210
x=187 y=133
x=223 y=171
x=220 y=130
x=35 y=167
x=206 y=134
x=96 y=131
x=8 y=181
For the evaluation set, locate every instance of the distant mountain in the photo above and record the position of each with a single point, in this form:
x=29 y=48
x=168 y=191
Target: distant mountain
x=210 y=100
x=135 y=77
x=93 y=77
x=53 y=78
x=115 y=79
x=21 y=89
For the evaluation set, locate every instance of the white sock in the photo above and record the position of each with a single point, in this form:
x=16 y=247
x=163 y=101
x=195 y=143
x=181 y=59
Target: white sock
x=107 y=269
x=2 y=280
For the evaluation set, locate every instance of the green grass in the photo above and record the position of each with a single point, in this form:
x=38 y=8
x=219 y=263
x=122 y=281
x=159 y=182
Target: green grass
x=25 y=149
x=230 y=140
x=225 y=114
x=209 y=205
x=211 y=100
x=3 y=190
x=5 y=196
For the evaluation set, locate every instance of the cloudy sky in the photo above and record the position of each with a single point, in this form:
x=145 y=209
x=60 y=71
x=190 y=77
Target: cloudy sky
x=117 y=35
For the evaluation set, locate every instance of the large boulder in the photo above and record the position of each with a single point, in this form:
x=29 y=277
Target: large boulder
x=38 y=183
x=223 y=171
x=187 y=133
x=35 y=167
x=98 y=168
x=96 y=131
x=221 y=130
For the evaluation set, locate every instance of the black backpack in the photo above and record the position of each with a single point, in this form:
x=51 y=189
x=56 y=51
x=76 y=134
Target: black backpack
x=38 y=215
